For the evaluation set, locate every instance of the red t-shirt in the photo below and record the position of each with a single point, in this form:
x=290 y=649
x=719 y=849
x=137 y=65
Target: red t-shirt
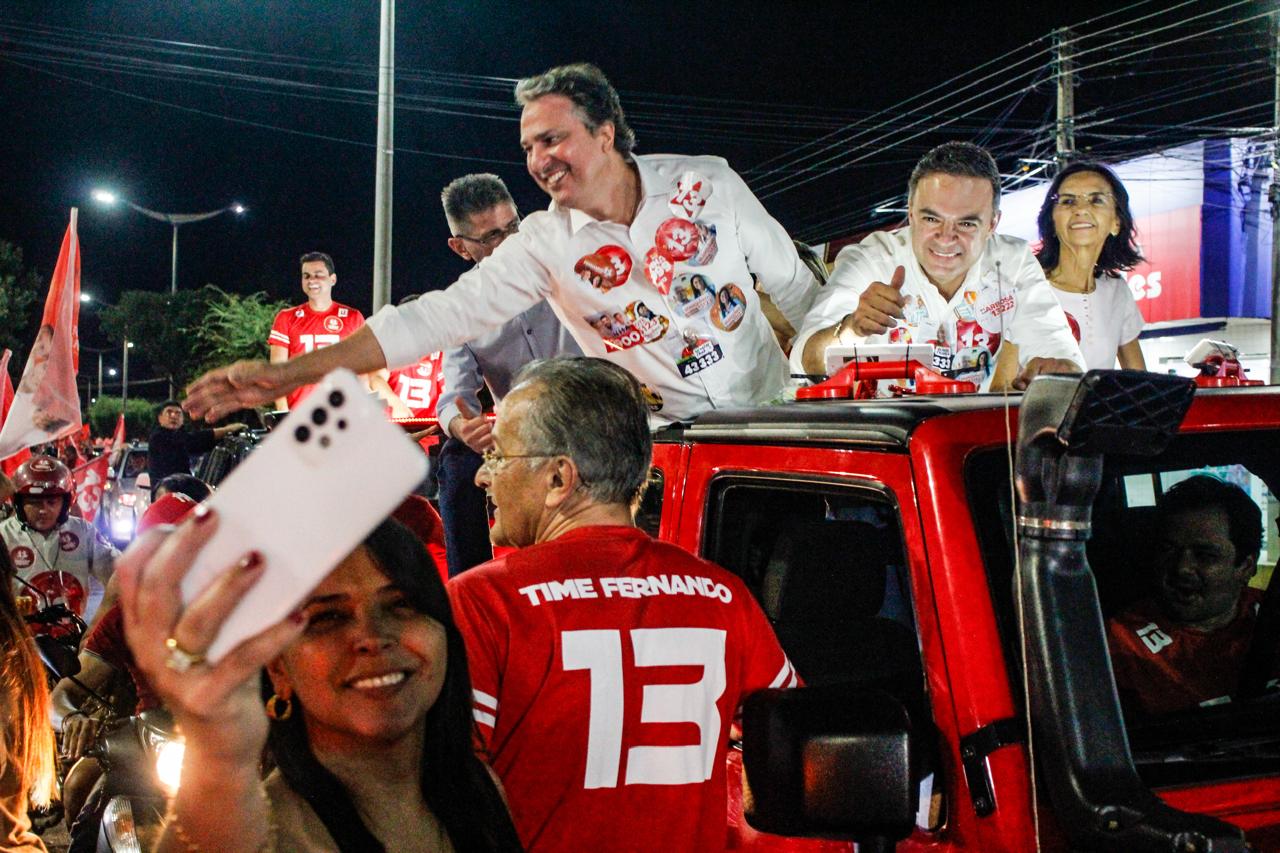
x=301 y=330
x=419 y=385
x=607 y=667
x=1165 y=667
x=106 y=640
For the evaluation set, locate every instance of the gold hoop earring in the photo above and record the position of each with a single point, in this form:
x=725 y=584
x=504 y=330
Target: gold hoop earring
x=275 y=712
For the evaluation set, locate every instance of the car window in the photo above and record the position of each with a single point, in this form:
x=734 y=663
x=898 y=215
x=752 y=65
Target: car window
x=1174 y=739
x=649 y=512
x=135 y=463
x=827 y=564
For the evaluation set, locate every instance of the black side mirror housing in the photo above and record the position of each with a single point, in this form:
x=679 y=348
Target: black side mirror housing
x=830 y=762
x=58 y=658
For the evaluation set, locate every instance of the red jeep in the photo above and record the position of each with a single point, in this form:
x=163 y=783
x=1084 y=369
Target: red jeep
x=884 y=541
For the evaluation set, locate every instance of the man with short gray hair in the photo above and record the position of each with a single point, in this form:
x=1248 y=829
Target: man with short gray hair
x=482 y=214
x=567 y=638
x=947 y=279
x=632 y=255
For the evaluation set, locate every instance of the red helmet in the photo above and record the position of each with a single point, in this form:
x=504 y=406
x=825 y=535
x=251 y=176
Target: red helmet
x=43 y=475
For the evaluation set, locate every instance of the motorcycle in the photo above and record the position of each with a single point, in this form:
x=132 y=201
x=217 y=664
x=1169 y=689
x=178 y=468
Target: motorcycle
x=141 y=758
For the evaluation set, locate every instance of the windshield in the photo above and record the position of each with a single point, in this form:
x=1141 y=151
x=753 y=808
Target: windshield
x=1193 y=650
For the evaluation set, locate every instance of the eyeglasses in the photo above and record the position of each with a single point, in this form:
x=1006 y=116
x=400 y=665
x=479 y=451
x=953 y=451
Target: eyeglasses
x=493 y=460
x=1092 y=199
x=491 y=239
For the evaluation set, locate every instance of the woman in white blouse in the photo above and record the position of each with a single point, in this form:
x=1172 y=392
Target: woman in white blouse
x=1088 y=243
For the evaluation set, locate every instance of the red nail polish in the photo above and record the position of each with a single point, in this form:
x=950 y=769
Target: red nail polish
x=297 y=617
x=202 y=514
x=251 y=562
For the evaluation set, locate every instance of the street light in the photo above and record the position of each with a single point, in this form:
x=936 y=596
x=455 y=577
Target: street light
x=109 y=198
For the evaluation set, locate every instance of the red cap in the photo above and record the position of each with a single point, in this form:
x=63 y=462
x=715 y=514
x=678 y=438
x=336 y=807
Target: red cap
x=170 y=509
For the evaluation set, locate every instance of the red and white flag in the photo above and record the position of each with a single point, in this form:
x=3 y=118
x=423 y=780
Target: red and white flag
x=46 y=405
x=6 y=399
x=90 y=479
x=117 y=440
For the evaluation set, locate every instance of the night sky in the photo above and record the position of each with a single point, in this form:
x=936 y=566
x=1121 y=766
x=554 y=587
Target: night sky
x=748 y=81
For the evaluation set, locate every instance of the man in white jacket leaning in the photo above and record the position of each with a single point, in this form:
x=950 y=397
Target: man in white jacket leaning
x=949 y=280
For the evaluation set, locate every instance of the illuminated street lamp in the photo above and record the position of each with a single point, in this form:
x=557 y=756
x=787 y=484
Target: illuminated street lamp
x=109 y=198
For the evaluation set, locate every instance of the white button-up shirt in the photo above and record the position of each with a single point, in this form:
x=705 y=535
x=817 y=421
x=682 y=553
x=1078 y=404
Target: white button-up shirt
x=703 y=344
x=1004 y=297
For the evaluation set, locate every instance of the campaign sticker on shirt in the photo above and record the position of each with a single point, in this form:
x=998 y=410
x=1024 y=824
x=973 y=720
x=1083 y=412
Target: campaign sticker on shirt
x=694 y=293
x=706 y=245
x=22 y=557
x=658 y=268
x=941 y=358
x=915 y=312
x=61 y=588
x=652 y=326
x=605 y=268
x=700 y=352
x=677 y=238
x=652 y=399
x=68 y=541
x=901 y=334
x=620 y=331
x=332 y=324
x=692 y=192
x=1074 y=324
x=995 y=307
x=730 y=308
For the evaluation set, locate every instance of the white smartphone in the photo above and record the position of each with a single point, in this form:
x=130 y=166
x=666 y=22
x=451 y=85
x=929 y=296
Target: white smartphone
x=305 y=498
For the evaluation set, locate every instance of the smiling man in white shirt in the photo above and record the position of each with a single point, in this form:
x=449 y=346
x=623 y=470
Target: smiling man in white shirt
x=645 y=241
x=949 y=280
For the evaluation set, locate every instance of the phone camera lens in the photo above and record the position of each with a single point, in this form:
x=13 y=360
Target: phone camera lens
x=342 y=423
x=324 y=441
x=319 y=416
x=302 y=433
x=336 y=398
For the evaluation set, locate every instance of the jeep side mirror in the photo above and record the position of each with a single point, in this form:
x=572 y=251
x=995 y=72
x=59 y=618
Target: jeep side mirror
x=832 y=761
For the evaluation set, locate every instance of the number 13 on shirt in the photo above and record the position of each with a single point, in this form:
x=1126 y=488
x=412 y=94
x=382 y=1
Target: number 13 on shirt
x=599 y=652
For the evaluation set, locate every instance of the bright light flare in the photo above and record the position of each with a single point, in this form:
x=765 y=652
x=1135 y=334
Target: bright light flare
x=169 y=764
x=105 y=197
x=86 y=297
x=238 y=208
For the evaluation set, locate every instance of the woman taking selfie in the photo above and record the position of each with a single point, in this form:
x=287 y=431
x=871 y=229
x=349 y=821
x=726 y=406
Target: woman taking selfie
x=26 y=747
x=1088 y=243
x=370 y=706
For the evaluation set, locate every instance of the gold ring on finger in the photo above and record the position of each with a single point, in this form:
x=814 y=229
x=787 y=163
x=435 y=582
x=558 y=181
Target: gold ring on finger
x=179 y=659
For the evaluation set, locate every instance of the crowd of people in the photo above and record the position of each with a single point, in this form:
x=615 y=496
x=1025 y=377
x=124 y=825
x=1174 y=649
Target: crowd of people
x=504 y=709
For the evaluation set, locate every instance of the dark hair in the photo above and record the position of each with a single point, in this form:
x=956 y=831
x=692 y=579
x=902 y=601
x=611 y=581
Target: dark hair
x=594 y=99
x=455 y=782
x=613 y=455
x=470 y=194
x=962 y=159
x=1244 y=519
x=317 y=256
x=183 y=484
x=166 y=404
x=1119 y=252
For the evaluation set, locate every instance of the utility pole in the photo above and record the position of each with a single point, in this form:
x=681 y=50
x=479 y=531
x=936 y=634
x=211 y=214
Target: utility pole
x=1064 y=52
x=1274 y=197
x=386 y=146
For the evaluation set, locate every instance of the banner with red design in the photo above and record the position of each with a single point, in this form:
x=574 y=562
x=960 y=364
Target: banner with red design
x=90 y=478
x=46 y=405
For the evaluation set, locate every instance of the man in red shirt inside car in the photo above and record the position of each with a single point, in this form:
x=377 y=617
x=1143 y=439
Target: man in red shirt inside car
x=1185 y=645
x=607 y=666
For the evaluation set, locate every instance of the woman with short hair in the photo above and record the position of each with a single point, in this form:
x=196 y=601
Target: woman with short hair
x=1088 y=243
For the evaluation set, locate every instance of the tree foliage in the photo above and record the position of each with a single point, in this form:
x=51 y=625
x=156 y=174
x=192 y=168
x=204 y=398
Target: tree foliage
x=232 y=328
x=158 y=325
x=138 y=420
x=20 y=287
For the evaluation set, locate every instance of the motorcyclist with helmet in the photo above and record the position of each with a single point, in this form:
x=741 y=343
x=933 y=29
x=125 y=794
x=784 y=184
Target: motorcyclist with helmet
x=62 y=556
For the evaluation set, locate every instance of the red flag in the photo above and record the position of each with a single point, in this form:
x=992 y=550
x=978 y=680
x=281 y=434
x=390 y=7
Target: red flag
x=89 y=479
x=47 y=403
x=6 y=399
x=117 y=440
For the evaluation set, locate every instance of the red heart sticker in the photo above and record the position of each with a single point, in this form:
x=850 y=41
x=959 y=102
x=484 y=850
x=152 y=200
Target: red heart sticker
x=677 y=238
x=658 y=268
x=621 y=261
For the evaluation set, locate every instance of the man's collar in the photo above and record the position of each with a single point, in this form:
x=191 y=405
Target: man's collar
x=651 y=184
